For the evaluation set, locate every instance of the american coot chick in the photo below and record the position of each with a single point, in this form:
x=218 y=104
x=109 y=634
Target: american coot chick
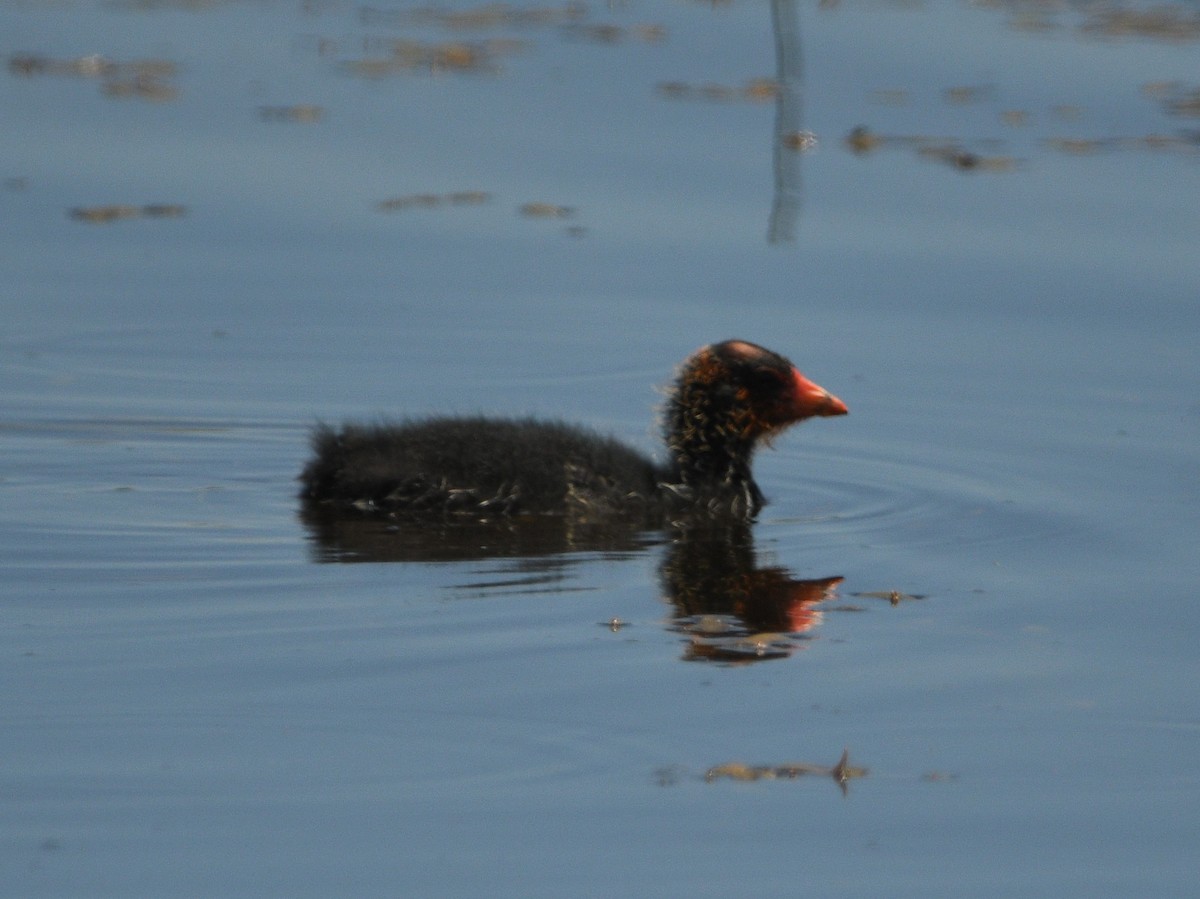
x=727 y=398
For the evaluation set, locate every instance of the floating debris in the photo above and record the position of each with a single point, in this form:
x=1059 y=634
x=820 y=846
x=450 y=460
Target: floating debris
x=756 y=90
x=546 y=211
x=895 y=597
x=1171 y=23
x=407 y=57
x=861 y=140
x=966 y=161
x=1186 y=142
x=98 y=215
x=146 y=79
x=428 y=201
x=969 y=93
x=615 y=34
x=80 y=66
x=479 y=18
x=800 y=141
x=469 y=197
x=141 y=88
x=1078 y=146
x=842 y=772
x=1176 y=97
x=103 y=214
x=760 y=89
x=305 y=114
x=1187 y=104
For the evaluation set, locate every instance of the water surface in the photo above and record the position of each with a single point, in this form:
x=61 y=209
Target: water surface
x=226 y=221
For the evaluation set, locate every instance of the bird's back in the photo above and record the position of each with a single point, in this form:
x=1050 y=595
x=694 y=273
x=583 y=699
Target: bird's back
x=475 y=466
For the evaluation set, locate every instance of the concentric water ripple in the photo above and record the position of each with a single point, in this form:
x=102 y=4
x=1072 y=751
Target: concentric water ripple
x=906 y=497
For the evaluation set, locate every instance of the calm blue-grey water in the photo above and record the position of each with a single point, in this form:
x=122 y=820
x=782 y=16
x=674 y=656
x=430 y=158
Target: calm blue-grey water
x=225 y=221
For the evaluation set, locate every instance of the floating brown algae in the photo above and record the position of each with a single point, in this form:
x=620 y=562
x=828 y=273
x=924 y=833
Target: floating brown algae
x=895 y=597
x=144 y=78
x=98 y=215
x=842 y=772
x=486 y=16
x=546 y=210
x=756 y=90
x=1186 y=142
x=1168 y=22
x=429 y=201
x=409 y=57
x=862 y=140
x=967 y=161
x=601 y=33
x=965 y=94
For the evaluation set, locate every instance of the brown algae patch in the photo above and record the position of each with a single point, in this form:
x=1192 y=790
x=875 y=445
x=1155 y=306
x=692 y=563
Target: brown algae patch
x=147 y=79
x=842 y=772
x=755 y=90
x=431 y=201
x=950 y=151
x=100 y=215
x=540 y=210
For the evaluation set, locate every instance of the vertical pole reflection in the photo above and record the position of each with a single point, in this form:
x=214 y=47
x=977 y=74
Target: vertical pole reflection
x=789 y=75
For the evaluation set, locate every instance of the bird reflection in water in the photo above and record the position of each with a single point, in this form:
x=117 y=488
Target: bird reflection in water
x=730 y=609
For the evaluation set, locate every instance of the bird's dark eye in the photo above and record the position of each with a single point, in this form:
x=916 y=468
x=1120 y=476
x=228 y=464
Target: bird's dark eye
x=766 y=380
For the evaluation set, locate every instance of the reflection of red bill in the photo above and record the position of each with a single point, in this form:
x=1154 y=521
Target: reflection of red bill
x=802 y=613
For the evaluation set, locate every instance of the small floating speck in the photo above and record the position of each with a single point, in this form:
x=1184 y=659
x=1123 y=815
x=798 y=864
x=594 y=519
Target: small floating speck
x=895 y=597
x=760 y=89
x=800 y=141
x=546 y=210
x=862 y=139
x=469 y=197
x=968 y=93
